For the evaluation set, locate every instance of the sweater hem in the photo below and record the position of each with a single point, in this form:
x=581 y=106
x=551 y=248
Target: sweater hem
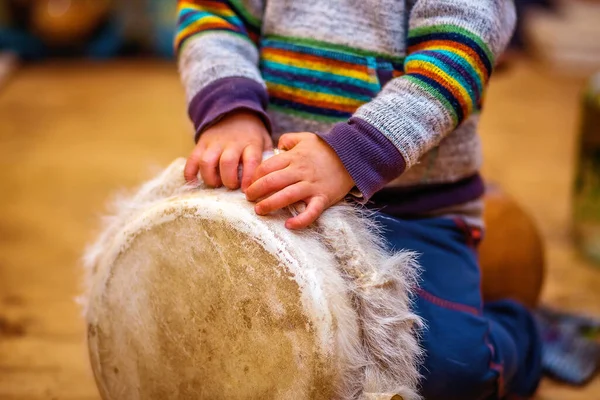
x=416 y=201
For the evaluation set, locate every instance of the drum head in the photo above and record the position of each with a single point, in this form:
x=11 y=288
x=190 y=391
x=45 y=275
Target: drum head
x=191 y=301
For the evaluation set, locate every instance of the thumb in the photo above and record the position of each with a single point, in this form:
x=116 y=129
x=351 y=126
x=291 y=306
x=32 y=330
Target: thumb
x=289 y=141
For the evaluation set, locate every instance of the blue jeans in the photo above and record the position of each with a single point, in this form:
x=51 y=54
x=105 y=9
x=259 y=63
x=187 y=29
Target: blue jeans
x=473 y=350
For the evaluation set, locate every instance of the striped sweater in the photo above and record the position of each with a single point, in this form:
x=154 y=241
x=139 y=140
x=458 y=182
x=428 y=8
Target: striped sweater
x=395 y=87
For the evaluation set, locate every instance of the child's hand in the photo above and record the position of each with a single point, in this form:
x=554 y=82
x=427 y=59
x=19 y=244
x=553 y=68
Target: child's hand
x=310 y=172
x=241 y=136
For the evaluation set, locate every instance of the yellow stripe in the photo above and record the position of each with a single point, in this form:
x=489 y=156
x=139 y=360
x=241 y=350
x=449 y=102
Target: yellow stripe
x=195 y=6
x=444 y=76
x=307 y=94
x=318 y=66
x=464 y=55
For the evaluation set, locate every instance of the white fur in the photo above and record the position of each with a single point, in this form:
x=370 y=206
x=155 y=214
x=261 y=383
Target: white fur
x=383 y=356
x=381 y=284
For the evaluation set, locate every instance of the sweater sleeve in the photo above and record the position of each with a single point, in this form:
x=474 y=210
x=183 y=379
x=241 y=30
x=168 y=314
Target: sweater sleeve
x=452 y=47
x=218 y=59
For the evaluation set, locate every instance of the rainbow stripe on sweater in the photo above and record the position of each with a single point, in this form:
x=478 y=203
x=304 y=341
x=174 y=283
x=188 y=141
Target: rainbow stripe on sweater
x=199 y=16
x=311 y=81
x=452 y=64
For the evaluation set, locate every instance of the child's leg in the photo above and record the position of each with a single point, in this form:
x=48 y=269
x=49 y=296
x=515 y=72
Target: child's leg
x=472 y=352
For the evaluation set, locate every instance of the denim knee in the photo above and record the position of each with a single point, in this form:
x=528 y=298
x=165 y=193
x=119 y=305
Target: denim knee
x=459 y=358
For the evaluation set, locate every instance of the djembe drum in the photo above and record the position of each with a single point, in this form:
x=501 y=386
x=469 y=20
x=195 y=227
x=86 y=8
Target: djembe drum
x=191 y=295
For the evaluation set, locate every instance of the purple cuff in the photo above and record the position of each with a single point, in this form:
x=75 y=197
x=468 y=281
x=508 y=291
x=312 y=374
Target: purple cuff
x=403 y=202
x=224 y=96
x=371 y=159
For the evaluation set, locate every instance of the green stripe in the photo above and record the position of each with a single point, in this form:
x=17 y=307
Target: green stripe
x=335 y=47
x=448 y=28
x=448 y=69
x=319 y=52
x=306 y=115
x=252 y=20
x=435 y=94
x=321 y=75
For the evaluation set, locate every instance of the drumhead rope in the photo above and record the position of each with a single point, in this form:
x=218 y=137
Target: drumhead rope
x=354 y=299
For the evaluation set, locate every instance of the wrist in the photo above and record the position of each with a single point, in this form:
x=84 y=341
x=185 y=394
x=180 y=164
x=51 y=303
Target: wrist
x=225 y=96
x=248 y=117
x=368 y=155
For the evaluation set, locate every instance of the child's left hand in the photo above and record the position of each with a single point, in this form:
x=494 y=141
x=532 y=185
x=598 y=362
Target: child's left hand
x=310 y=171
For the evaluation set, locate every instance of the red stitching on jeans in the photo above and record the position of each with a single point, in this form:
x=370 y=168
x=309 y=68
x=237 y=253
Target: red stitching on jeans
x=473 y=235
x=447 y=304
x=500 y=369
x=494 y=366
x=462 y=225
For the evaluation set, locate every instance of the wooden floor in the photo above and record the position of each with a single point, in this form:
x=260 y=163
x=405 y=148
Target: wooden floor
x=72 y=134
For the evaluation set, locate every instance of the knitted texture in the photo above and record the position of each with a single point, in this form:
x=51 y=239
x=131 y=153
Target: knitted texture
x=451 y=63
x=310 y=80
x=197 y=17
x=214 y=41
x=413 y=71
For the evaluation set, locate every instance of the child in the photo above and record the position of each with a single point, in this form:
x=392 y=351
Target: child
x=384 y=97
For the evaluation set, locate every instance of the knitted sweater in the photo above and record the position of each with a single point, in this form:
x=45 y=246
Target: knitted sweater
x=395 y=87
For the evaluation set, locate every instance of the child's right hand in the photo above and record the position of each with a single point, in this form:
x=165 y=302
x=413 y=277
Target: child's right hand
x=239 y=137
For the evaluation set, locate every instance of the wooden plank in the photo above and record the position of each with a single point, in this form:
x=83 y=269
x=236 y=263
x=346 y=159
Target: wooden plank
x=71 y=134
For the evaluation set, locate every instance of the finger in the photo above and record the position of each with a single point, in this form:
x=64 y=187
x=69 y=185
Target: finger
x=314 y=209
x=283 y=198
x=228 y=167
x=268 y=144
x=288 y=141
x=271 y=183
x=251 y=158
x=192 y=165
x=272 y=164
x=209 y=163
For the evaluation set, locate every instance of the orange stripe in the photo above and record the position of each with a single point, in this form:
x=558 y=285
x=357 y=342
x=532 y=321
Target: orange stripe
x=448 y=43
x=313 y=58
x=210 y=25
x=204 y=27
x=312 y=103
x=461 y=100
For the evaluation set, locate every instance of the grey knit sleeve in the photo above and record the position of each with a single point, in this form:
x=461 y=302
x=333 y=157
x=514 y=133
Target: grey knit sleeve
x=452 y=48
x=218 y=58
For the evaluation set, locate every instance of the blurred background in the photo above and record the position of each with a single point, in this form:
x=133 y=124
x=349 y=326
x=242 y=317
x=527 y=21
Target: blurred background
x=90 y=102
